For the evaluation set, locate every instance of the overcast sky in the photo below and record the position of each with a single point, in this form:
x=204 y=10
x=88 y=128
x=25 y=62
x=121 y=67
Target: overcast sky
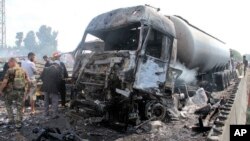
x=227 y=20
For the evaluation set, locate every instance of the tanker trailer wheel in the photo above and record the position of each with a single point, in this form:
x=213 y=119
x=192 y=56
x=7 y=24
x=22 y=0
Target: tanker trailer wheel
x=225 y=80
x=155 y=109
x=228 y=78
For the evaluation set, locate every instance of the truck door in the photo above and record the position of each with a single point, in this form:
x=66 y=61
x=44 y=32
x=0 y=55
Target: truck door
x=153 y=62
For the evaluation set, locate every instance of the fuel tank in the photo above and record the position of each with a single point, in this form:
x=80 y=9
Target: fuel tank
x=197 y=49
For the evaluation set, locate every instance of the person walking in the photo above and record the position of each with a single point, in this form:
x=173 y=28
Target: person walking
x=30 y=68
x=13 y=86
x=64 y=75
x=51 y=78
x=245 y=62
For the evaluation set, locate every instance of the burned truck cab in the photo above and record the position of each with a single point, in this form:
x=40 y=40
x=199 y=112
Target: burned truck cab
x=129 y=80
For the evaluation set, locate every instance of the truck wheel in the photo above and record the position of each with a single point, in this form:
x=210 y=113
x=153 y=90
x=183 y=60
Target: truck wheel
x=155 y=109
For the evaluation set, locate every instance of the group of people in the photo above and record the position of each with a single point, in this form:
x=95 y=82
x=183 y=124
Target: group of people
x=19 y=84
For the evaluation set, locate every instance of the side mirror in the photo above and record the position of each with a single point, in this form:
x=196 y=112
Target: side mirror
x=175 y=72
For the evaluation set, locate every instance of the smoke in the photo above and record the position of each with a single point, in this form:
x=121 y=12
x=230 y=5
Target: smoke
x=6 y=53
x=3 y=53
x=12 y=52
x=188 y=76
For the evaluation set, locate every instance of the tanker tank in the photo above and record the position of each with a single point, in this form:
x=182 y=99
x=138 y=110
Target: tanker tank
x=197 y=49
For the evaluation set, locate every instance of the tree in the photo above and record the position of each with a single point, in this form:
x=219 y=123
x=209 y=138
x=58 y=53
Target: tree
x=30 y=41
x=236 y=55
x=19 y=39
x=47 y=39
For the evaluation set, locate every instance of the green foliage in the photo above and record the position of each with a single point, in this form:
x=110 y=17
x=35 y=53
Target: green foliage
x=236 y=55
x=47 y=39
x=19 y=39
x=30 y=41
x=42 y=42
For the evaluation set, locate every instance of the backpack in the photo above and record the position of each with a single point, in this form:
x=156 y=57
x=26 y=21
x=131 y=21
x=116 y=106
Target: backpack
x=18 y=79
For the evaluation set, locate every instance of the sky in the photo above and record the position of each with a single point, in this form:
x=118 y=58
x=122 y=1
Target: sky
x=227 y=20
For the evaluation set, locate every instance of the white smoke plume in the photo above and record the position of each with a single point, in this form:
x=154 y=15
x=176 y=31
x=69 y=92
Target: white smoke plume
x=188 y=76
x=13 y=52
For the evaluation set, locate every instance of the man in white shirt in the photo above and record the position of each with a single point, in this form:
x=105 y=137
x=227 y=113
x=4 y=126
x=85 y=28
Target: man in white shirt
x=30 y=68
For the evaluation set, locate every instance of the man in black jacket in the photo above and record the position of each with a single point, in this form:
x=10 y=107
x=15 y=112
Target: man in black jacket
x=64 y=74
x=51 y=78
x=47 y=61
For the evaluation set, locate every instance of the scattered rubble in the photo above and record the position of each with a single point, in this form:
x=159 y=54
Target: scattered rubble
x=200 y=98
x=197 y=118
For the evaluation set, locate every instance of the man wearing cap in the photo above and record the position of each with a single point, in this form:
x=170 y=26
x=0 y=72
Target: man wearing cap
x=14 y=84
x=30 y=68
x=64 y=75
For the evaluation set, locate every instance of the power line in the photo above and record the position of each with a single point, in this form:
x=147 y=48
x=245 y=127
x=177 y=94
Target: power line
x=2 y=24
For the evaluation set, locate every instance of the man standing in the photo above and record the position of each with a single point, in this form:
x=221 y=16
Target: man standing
x=30 y=68
x=64 y=74
x=46 y=59
x=13 y=85
x=245 y=62
x=51 y=78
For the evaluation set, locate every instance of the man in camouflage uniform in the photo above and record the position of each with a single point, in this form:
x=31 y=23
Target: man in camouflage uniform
x=13 y=86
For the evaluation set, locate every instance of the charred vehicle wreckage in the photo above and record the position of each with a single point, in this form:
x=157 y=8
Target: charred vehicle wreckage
x=130 y=75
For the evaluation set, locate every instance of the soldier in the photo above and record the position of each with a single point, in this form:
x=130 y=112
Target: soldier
x=13 y=85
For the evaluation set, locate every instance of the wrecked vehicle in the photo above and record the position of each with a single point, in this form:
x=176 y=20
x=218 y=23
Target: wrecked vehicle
x=133 y=77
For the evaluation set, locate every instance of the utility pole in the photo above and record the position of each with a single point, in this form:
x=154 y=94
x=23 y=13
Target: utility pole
x=2 y=25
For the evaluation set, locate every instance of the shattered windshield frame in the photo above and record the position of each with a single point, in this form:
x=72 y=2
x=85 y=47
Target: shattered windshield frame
x=118 y=38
